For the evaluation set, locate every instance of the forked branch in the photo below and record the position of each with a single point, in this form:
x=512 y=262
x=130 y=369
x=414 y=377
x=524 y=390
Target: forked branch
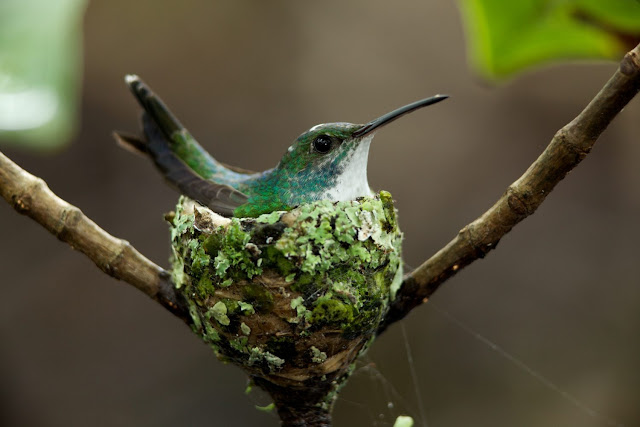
x=30 y=196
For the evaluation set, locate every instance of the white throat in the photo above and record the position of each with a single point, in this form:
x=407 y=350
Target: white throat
x=352 y=182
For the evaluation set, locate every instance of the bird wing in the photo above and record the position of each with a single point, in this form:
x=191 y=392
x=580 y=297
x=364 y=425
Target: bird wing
x=160 y=127
x=220 y=198
x=181 y=142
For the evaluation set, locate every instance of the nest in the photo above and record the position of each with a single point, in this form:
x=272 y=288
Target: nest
x=291 y=297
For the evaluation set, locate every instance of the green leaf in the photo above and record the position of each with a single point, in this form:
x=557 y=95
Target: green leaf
x=40 y=64
x=508 y=37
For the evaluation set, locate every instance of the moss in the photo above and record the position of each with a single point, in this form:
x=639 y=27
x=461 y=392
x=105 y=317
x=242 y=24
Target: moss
x=232 y=305
x=181 y=223
x=276 y=259
x=391 y=222
x=328 y=310
x=232 y=253
x=271 y=218
x=258 y=356
x=219 y=312
x=178 y=275
x=212 y=244
x=199 y=258
x=302 y=313
x=204 y=287
x=246 y=308
x=210 y=334
x=245 y=328
x=307 y=284
x=239 y=344
x=285 y=290
x=193 y=312
x=317 y=356
x=256 y=295
x=365 y=322
x=396 y=283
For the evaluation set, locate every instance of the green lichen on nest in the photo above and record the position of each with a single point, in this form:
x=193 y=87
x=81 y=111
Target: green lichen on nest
x=289 y=296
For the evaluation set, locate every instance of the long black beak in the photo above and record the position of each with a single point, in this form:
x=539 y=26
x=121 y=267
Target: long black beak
x=396 y=114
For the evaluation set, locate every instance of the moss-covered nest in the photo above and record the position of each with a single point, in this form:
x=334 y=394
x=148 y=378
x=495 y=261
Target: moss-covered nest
x=291 y=297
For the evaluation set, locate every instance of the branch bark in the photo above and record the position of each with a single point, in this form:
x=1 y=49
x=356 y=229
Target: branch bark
x=567 y=149
x=30 y=196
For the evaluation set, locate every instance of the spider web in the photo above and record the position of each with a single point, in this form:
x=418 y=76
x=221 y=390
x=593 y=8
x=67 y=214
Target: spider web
x=386 y=401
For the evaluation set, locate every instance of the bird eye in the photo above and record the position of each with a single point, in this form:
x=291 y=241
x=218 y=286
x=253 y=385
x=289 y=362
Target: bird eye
x=322 y=144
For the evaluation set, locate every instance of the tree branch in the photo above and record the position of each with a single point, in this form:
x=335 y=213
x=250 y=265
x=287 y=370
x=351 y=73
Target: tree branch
x=569 y=146
x=30 y=196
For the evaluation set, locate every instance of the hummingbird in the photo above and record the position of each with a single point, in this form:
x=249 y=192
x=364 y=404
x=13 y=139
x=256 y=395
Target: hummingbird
x=328 y=161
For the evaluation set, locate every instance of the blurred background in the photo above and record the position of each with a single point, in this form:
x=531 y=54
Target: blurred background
x=560 y=293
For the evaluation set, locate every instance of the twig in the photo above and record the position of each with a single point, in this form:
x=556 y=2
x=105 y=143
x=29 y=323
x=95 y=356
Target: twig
x=30 y=196
x=568 y=147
